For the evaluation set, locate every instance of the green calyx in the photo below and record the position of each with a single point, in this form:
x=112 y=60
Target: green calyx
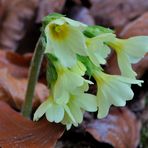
x=92 y=31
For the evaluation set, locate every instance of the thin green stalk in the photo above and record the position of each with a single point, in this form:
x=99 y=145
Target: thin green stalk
x=33 y=76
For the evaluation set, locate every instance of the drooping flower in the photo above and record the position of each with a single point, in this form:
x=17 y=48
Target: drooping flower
x=129 y=51
x=75 y=49
x=54 y=112
x=112 y=90
x=65 y=39
x=70 y=113
x=76 y=106
x=97 y=49
x=68 y=80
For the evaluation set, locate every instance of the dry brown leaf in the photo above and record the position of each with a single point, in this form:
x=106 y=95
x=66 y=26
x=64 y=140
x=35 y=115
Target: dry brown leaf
x=16 y=18
x=16 y=64
x=137 y=27
x=49 y=6
x=117 y=13
x=13 y=80
x=15 y=90
x=18 y=131
x=82 y=14
x=120 y=128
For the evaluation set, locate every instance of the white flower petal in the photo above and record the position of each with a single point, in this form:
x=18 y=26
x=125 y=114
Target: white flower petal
x=55 y=113
x=112 y=90
x=76 y=41
x=74 y=23
x=62 y=51
x=76 y=111
x=79 y=68
x=42 y=110
x=64 y=41
x=125 y=66
x=60 y=93
x=103 y=104
x=87 y=102
x=67 y=109
x=97 y=49
x=135 y=47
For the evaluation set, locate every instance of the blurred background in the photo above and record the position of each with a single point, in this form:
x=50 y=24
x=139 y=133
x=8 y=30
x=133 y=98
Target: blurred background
x=20 y=22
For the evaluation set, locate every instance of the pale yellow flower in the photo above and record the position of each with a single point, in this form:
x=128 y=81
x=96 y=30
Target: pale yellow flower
x=65 y=39
x=129 y=51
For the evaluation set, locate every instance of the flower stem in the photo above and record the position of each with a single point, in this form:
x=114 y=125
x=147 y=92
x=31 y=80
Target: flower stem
x=33 y=76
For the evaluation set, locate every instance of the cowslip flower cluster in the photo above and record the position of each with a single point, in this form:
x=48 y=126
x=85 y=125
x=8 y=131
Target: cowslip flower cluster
x=73 y=50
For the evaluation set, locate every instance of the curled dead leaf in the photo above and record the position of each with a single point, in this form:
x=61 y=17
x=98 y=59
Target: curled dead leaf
x=18 y=131
x=16 y=64
x=15 y=90
x=120 y=128
x=13 y=80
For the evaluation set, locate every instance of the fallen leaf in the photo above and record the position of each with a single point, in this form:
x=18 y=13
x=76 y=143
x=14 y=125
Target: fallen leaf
x=16 y=18
x=82 y=14
x=16 y=64
x=120 y=128
x=15 y=90
x=13 y=80
x=117 y=13
x=49 y=6
x=137 y=27
x=18 y=131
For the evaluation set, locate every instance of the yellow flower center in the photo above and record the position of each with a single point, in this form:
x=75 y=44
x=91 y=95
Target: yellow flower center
x=59 y=32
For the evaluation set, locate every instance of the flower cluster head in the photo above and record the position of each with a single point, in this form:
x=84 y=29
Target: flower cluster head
x=74 y=50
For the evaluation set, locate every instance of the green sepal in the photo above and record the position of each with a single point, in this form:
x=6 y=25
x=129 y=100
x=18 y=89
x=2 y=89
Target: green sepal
x=51 y=74
x=92 y=31
x=88 y=64
x=47 y=19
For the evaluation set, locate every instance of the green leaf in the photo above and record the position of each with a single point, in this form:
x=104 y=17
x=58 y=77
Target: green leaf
x=51 y=74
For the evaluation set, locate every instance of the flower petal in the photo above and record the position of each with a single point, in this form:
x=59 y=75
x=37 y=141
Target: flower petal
x=111 y=91
x=76 y=41
x=79 y=68
x=67 y=109
x=76 y=111
x=125 y=66
x=135 y=47
x=74 y=23
x=87 y=102
x=60 y=91
x=97 y=49
x=42 y=110
x=55 y=113
x=65 y=41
